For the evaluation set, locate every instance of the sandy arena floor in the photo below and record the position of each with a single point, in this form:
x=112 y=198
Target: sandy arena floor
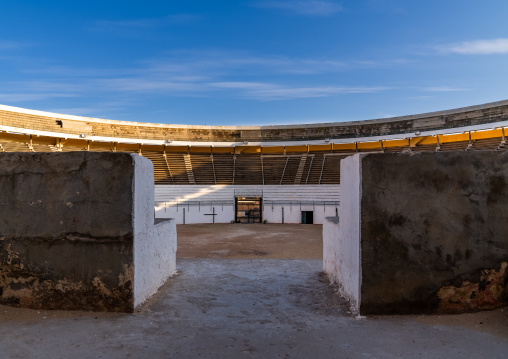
x=249 y=291
x=250 y=241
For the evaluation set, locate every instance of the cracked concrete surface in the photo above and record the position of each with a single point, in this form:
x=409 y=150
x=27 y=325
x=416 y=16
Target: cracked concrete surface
x=262 y=308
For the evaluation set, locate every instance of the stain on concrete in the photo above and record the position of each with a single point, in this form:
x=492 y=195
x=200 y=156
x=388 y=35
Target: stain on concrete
x=63 y=275
x=66 y=231
x=497 y=188
x=490 y=292
x=429 y=222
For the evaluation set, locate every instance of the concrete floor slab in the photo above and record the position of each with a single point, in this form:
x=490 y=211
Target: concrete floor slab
x=242 y=308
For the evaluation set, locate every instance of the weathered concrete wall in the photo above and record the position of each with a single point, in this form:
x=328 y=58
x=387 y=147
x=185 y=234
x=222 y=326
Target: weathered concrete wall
x=434 y=231
x=461 y=117
x=68 y=229
x=341 y=240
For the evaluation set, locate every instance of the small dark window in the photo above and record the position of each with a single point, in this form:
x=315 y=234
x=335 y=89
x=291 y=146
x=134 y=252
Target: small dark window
x=307 y=217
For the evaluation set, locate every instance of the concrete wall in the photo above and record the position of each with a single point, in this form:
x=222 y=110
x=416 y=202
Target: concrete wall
x=198 y=201
x=341 y=236
x=434 y=233
x=73 y=229
x=461 y=117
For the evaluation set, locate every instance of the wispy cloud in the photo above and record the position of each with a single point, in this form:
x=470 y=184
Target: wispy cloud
x=7 y=45
x=387 y=6
x=25 y=91
x=24 y=97
x=256 y=86
x=70 y=71
x=443 y=89
x=289 y=93
x=424 y=97
x=149 y=85
x=310 y=8
x=133 y=27
x=263 y=91
x=272 y=92
x=215 y=62
x=188 y=66
x=197 y=74
x=477 y=47
x=97 y=109
x=47 y=86
x=182 y=18
x=115 y=24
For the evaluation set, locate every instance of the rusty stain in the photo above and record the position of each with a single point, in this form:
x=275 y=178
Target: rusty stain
x=489 y=293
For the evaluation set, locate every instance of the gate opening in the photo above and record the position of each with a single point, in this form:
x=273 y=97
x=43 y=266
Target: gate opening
x=307 y=217
x=248 y=209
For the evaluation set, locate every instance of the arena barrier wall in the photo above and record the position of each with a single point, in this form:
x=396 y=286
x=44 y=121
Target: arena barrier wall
x=77 y=232
x=421 y=233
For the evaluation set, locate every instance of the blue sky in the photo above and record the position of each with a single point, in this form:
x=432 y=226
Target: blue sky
x=252 y=62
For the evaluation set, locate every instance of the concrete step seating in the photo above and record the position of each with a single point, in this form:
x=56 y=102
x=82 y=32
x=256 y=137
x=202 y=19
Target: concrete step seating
x=248 y=169
x=177 y=167
x=162 y=175
x=224 y=168
x=203 y=168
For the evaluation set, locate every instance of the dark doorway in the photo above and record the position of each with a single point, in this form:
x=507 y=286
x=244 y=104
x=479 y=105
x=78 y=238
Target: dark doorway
x=307 y=217
x=248 y=209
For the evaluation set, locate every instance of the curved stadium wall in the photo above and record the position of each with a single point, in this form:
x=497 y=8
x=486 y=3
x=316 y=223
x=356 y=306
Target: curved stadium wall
x=294 y=168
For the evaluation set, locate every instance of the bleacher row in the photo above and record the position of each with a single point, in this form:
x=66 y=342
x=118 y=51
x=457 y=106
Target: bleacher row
x=206 y=166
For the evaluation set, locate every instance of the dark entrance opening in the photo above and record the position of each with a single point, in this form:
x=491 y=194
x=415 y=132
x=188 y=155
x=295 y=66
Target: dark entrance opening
x=248 y=209
x=307 y=217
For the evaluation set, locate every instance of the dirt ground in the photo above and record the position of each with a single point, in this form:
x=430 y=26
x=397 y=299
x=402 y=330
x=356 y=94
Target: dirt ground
x=299 y=241
x=252 y=303
x=250 y=241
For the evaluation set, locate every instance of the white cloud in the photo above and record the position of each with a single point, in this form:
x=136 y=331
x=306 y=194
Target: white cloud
x=387 y=6
x=477 y=47
x=97 y=110
x=183 y=18
x=24 y=91
x=23 y=97
x=139 y=23
x=203 y=63
x=242 y=85
x=46 y=86
x=443 y=89
x=147 y=85
x=133 y=27
x=198 y=74
x=272 y=92
x=263 y=91
x=288 y=93
x=420 y=97
x=311 y=7
x=7 y=45
x=66 y=71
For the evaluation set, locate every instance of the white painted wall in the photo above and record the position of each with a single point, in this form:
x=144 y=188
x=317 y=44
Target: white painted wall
x=154 y=245
x=293 y=213
x=198 y=201
x=187 y=214
x=341 y=242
